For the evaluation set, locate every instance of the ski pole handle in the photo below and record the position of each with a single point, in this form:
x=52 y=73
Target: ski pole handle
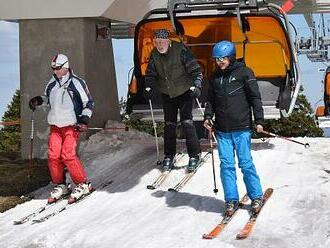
x=282 y=137
x=200 y=107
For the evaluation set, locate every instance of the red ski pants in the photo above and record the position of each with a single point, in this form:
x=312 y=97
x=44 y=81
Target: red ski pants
x=62 y=146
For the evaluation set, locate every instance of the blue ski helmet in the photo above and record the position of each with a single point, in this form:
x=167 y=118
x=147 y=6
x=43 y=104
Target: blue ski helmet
x=223 y=49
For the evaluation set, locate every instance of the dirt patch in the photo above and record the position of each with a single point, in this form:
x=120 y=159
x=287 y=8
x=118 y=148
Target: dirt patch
x=10 y=202
x=18 y=179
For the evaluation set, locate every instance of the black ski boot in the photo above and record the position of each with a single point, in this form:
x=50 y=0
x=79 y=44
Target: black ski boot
x=230 y=208
x=168 y=163
x=256 y=205
x=193 y=162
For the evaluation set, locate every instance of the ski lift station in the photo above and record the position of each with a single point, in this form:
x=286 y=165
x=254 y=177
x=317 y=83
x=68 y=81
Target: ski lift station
x=83 y=29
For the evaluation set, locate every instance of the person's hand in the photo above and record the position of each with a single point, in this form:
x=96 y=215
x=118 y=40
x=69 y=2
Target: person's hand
x=34 y=102
x=208 y=124
x=195 y=92
x=81 y=127
x=259 y=128
x=147 y=93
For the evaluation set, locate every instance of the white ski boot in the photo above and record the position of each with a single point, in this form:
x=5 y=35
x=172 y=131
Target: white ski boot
x=79 y=191
x=59 y=191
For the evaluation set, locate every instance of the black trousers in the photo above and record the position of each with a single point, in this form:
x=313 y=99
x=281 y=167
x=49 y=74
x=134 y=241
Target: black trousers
x=171 y=106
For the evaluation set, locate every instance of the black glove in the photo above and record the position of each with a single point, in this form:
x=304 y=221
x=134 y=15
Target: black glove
x=84 y=119
x=35 y=101
x=195 y=92
x=82 y=125
x=147 y=93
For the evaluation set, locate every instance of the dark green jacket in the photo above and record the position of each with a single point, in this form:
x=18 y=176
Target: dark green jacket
x=174 y=72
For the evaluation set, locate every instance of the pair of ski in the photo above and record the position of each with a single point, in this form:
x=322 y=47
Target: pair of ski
x=36 y=212
x=247 y=229
x=164 y=174
x=47 y=206
x=187 y=177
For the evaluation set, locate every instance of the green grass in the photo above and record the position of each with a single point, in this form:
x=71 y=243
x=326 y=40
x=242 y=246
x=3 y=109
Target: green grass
x=18 y=178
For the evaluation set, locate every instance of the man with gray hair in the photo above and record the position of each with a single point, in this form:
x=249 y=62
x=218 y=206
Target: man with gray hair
x=174 y=71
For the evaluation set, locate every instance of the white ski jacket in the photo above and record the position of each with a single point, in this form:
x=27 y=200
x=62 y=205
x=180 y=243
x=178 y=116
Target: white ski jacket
x=69 y=99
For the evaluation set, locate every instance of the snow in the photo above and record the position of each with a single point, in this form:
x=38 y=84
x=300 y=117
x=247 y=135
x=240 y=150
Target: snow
x=125 y=214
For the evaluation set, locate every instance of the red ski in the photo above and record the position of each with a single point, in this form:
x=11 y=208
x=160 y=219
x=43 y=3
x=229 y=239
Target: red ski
x=245 y=232
x=226 y=219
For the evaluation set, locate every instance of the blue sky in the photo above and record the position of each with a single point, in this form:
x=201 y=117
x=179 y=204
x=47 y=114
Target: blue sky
x=123 y=50
x=9 y=63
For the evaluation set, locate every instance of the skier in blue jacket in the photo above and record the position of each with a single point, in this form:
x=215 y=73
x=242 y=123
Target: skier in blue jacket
x=233 y=96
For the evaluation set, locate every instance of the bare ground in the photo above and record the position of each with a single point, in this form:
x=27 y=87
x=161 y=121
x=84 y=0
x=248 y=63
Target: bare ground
x=18 y=178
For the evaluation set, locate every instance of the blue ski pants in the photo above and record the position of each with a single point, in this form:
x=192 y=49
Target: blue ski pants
x=228 y=144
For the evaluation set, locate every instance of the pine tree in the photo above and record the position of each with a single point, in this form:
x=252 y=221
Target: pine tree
x=299 y=124
x=143 y=126
x=10 y=136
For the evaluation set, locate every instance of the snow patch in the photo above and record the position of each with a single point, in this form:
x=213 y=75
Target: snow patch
x=125 y=214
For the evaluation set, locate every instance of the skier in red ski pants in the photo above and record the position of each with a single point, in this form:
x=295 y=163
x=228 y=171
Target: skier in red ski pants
x=70 y=110
x=62 y=146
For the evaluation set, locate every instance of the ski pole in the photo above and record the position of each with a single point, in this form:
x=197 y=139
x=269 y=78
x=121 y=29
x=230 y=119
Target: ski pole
x=200 y=107
x=109 y=128
x=211 y=134
x=155 y=130
x=215 y=190
x=31 y=144
x=282 y=137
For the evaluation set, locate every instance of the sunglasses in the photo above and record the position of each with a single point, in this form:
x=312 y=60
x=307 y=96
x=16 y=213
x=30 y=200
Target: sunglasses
x=59 y=67
x=220 y=59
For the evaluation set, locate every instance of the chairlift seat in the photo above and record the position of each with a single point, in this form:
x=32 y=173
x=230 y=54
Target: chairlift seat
x=269 y=54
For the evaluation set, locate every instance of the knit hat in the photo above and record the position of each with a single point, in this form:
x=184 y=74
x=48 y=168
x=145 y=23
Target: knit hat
x=60 y=60
x=161 y=34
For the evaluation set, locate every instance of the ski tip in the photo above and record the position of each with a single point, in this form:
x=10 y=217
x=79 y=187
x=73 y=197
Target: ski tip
x=207 y=236
x=17 y=222
x=269 y=192
x=172 y=190
x=151 y=187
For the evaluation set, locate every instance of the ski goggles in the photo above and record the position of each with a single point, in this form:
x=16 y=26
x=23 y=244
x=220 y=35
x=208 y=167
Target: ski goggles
x=220 y=59
x=59 y=67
